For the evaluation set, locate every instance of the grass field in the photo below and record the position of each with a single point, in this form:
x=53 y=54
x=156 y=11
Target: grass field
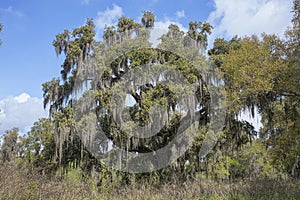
x=22 y=184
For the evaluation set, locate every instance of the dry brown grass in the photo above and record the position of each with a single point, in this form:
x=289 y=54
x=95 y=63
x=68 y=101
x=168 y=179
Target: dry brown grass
x=17 y=183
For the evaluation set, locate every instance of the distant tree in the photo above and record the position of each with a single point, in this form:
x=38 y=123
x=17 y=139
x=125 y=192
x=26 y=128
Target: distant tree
x=9 y=148
x=39 y=146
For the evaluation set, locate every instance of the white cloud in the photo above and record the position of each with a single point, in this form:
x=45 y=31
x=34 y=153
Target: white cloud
x=107 y=18
x=180 y=14
x=20 y=111
x=12 y=11
x=248 y=17
x=22 y=98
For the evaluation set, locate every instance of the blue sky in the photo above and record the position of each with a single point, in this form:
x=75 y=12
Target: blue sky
x=27 y=57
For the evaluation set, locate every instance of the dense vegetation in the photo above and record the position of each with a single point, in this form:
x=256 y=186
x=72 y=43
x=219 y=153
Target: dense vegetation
x=60 y=155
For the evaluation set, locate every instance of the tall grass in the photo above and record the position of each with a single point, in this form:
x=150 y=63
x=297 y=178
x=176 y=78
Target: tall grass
x=21 y=183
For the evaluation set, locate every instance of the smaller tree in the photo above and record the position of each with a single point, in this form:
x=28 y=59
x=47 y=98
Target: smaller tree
x=148 y=19
x=9 y=148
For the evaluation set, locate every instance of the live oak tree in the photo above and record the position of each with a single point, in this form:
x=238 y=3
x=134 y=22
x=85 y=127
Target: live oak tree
x=89 y=98
x=119 y=53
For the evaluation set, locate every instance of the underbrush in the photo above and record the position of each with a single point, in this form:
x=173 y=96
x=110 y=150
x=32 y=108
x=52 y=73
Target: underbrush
x=20 y=183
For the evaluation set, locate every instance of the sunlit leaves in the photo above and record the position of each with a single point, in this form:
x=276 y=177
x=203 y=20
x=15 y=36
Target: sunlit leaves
x=252 y=69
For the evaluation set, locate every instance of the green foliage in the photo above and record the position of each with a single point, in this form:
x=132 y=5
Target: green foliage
x=74 y=175
x=283 y=138
x=255 y=161
x=257 y=73
x=11 y=147
x=39 y=146
x=148 y=19
x=250 y=74
x=199 y=31
x=264 y=74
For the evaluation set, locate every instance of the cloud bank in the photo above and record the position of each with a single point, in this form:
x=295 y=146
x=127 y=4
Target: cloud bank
x=20 y=111
x=107 y=18
x=247 y=17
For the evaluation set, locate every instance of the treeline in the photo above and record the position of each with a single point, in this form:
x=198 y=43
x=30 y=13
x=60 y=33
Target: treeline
x=85 y=122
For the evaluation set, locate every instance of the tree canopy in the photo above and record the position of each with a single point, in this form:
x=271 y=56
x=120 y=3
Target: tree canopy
x=120 y=98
